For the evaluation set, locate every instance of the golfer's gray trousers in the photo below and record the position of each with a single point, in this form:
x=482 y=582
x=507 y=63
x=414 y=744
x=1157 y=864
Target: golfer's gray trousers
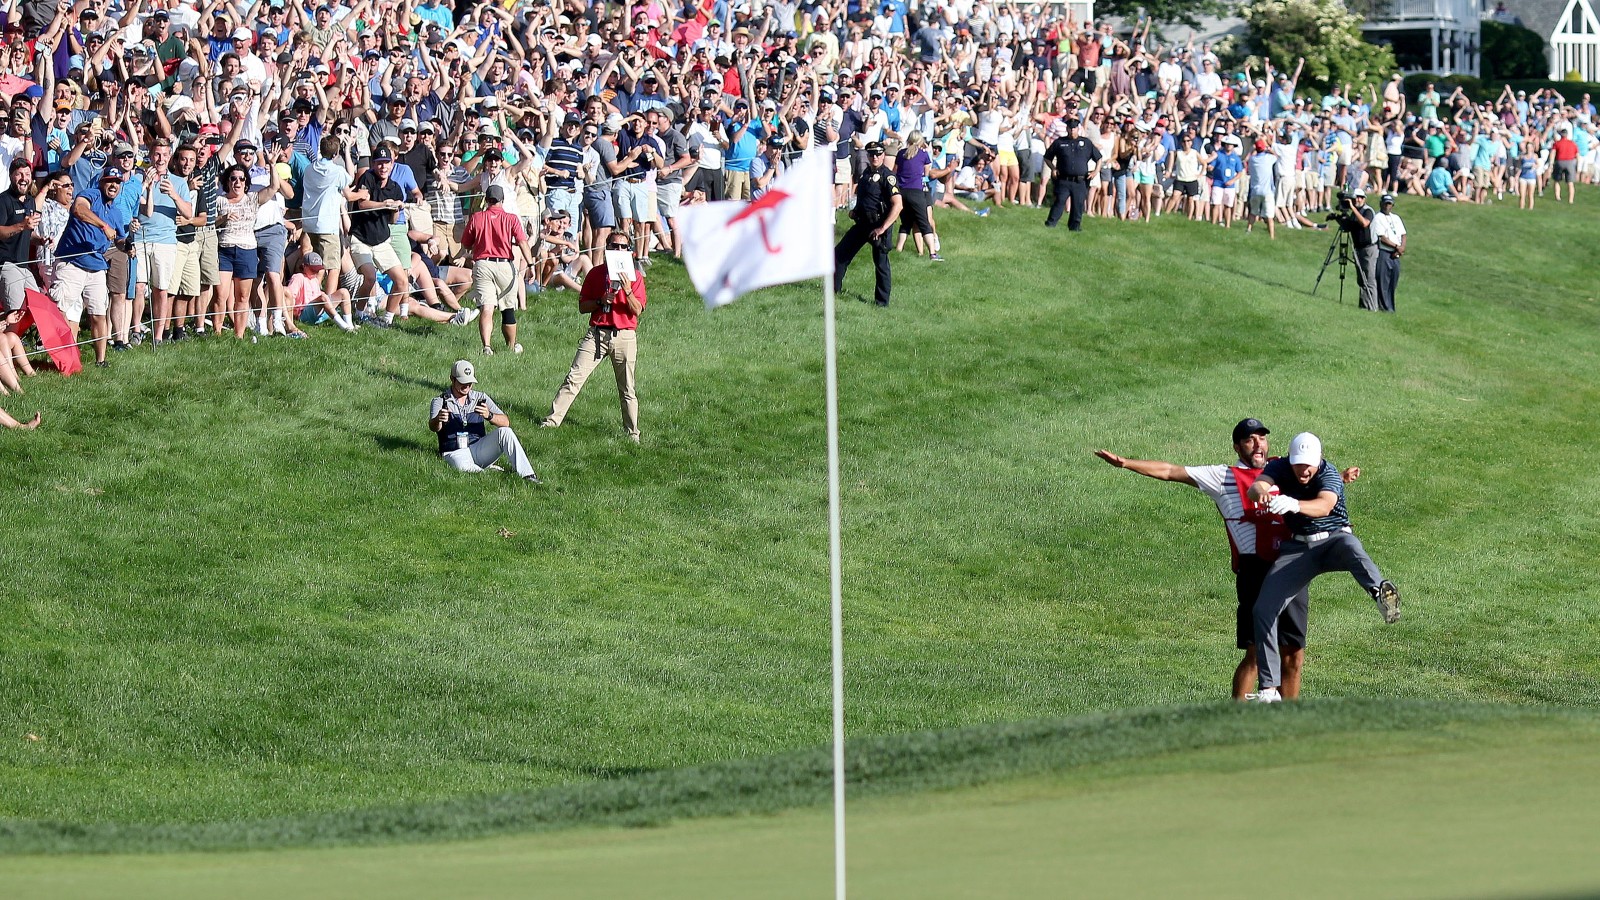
x=1296 y=566
x=1367 y=275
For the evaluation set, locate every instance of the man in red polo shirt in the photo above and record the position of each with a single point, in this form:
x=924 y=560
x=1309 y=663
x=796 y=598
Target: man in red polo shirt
x=613 y=309
x=492 y=236
x=1565 y=151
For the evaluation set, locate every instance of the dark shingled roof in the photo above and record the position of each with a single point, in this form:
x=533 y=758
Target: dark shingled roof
x=1542 y=16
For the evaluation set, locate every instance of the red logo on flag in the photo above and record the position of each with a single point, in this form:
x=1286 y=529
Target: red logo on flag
x=758 y=207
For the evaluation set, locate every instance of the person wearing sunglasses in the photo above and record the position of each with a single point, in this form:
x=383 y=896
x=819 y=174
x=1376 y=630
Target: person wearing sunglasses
x=613 y=303
x=238 y=258
x=878 y=204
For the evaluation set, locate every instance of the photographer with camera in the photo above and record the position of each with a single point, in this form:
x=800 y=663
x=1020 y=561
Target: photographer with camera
x=459 y=417
x=613 y=307
x=1355 y=219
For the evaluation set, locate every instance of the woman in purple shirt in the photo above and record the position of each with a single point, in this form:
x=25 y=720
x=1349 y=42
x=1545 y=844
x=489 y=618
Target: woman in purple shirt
x=911 y=167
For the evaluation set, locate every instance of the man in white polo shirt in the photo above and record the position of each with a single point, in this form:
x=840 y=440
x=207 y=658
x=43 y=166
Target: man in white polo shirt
x=1390 y=235
x=1254 y=536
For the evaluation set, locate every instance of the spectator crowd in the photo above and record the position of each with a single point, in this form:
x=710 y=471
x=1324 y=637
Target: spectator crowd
x=171 y=170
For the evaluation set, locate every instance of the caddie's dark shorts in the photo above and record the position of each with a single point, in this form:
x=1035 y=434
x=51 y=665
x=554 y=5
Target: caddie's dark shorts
x=1291 y=622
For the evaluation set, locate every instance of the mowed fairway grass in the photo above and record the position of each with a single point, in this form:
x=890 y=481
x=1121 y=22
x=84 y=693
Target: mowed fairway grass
x=241 y=586
x=1472 y=802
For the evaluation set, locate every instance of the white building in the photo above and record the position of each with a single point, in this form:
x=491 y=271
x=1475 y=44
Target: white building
x=1439 y=36
x=1570 y=30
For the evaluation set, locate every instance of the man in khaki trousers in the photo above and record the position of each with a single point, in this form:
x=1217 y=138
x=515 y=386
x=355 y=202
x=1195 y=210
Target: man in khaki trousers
x=613 y=309
x=496 y=238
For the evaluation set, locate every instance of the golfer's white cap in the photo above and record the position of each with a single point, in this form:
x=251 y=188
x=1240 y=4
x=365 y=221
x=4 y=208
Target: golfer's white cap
x=463 y=373
x=1305 y=449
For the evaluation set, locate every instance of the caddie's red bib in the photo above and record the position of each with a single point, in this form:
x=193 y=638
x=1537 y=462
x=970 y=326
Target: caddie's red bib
x=1270 y=530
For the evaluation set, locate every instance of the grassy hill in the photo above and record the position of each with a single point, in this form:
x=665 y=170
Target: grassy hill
x=241 y=585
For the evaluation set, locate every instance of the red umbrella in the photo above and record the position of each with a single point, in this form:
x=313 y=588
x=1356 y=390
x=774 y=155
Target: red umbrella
x=42 y=313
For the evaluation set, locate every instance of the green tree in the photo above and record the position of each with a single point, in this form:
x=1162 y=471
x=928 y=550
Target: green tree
x=1511 y=51
x=1162 y=12
x=1325 y=33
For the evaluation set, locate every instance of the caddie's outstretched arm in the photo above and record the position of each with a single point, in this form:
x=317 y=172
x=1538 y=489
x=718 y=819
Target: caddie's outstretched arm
x=1161 y=471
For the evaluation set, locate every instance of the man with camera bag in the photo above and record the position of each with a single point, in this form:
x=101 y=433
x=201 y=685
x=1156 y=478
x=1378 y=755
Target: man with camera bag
x=1355 y=219
x=877 y=207
x=613 y=305
x=458 y=417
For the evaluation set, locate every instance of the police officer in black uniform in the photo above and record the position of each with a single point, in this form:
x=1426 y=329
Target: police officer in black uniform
x=1073 y=159
x=877 y=207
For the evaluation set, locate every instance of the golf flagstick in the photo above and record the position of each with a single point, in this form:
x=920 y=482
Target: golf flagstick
x=785 y=236
x=830 y=350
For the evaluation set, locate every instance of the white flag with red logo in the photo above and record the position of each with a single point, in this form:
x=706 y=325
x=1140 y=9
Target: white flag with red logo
x=785 y=235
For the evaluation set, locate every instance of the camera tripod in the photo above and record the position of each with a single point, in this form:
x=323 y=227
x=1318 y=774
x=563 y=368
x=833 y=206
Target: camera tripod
x=1340 y=249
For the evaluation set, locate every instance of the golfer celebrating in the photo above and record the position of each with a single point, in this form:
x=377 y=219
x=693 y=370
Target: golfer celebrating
x=1310 y=497
x=1254 y=535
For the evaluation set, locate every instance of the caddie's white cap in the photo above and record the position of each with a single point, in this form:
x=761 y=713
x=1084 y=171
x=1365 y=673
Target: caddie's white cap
x=462 y=372
x=1304 y=450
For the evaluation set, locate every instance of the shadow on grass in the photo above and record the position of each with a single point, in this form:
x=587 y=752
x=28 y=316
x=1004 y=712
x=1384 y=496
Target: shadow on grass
x=389 y=443
x=432 y=386
x=903 y=763
x=1303 y=290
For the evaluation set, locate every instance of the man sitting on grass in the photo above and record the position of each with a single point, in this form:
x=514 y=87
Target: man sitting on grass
x=458 y=417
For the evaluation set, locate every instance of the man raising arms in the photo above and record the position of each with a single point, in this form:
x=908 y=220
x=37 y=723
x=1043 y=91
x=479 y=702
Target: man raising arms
x=1311 y=501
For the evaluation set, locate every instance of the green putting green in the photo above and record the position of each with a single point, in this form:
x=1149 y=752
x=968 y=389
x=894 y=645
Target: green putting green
x=1494 y=806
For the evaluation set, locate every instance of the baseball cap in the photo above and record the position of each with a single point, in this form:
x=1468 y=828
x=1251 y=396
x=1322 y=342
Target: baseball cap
x=111 y=173
x=312 y=259
x=1305 y=449
x=1247 y=427
x=1359 y=192
x=494 y=193
x=463 y=373
x=1386 y=198
x=408 y=124
x=384 y=155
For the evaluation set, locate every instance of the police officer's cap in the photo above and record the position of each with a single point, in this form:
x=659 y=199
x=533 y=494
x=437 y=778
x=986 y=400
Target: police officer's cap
x=1073 y=123
x=1247 y=427
x=874 y=147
